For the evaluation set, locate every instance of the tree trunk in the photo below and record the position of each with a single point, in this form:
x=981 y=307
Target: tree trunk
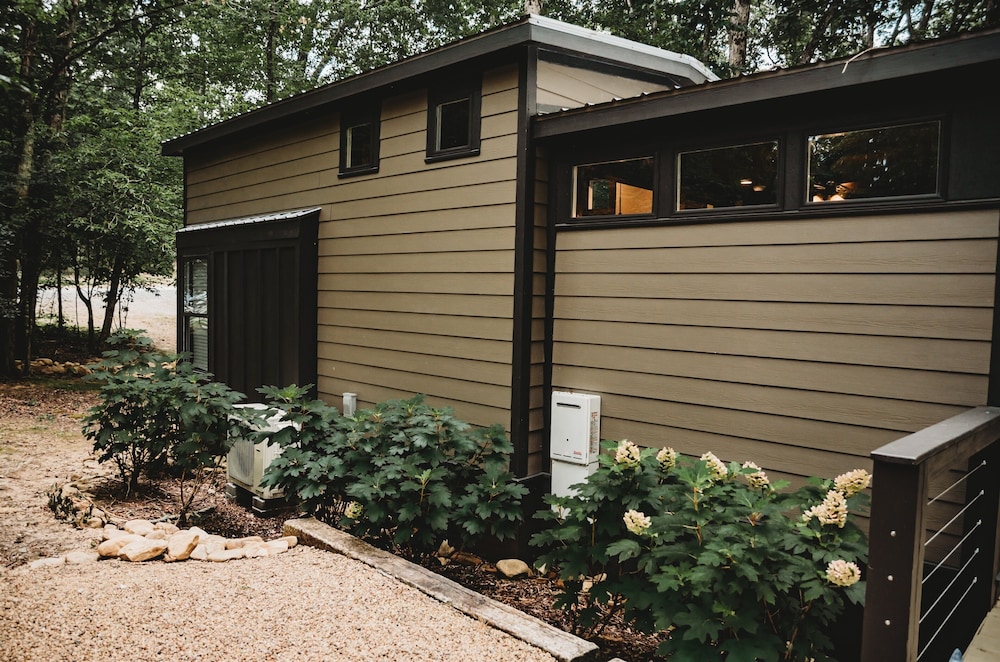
x=739 y=23
x=88 y=303
x=269 y=56
x=114 y=294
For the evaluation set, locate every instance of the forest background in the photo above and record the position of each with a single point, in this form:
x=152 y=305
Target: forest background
x=89 y=89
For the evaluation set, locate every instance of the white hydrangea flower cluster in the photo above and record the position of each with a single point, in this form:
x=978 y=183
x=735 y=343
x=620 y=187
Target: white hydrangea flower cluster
x=843 y=573
x=628 y=454
x=758 y=480
x=833 y=510
x=667 y=457
x=852 y=482
x=637 y=522
x=715 y=466
x=353 y=510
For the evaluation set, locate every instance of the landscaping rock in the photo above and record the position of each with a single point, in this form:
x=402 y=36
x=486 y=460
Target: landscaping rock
x=181 y=545
x=142 y=550
x=81 y=558
x=113 y=546
x=513 y=568
x=223 y=555
x=140 y=527
x=236 y=543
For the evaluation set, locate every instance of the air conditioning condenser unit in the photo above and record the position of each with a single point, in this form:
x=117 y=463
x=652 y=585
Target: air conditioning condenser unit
x=247 y=461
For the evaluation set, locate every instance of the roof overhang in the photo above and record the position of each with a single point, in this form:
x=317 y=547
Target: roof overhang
x=530 y=30
x=874 y=66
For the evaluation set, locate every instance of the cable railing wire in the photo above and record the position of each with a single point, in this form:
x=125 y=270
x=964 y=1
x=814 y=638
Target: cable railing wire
x=950 y=584
x=967 y=475
x=947 y=618
x=976 y=498
x=954 y=549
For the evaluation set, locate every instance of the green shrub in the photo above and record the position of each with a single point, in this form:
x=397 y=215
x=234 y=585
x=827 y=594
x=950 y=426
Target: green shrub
x=403 y=474
x=714 y=554
x=156 y=411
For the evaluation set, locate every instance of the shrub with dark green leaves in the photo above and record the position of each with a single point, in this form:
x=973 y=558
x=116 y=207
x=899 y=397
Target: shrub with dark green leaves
x=727 y=563
x=155 y=410
x=403 y=474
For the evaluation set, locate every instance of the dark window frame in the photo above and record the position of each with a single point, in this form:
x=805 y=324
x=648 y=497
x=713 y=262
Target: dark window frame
x=437 y=98
x=887 y=123
x=792 y=174
x=350 y=119
x=779 y=181
x=187 y=316
x=574 y=187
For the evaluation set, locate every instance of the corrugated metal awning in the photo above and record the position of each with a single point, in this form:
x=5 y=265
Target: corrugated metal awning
x=251 y=220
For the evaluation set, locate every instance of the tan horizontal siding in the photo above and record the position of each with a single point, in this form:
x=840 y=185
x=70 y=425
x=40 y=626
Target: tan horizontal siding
x=875 y=320
x=904 y=416
x=634 y=413
x=891 y=289
x=918 y=257
x=477 y=349
x=439 y=222
x=808 y=343
x=276 y=149
x=420 y=362
x=471 y=305
x=371 y=394
x=813 y=461
x=962 y=356
x=456 y=390
x=431 y=323
x=849 y=379
x=460 y=262
x=910 y=227
x=443 y=283
x=416 y=268
x=571 y=87
x=476 y=239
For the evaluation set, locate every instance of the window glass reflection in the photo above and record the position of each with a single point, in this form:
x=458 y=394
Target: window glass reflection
x=614 y=188
x=874 y=163
x=737 y=176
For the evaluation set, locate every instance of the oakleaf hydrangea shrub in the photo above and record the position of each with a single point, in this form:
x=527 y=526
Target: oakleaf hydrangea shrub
x=728 y=563
x=157 y=412
x=402 y=474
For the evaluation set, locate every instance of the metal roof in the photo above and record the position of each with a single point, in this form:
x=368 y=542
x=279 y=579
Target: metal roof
x=250 y=220
x=530 y=29
x=876 y=65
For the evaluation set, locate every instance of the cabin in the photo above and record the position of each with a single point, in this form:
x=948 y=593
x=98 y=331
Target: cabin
x=797 y=267
x=385 y=235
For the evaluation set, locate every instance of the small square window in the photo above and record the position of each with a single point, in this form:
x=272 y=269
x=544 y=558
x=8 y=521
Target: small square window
x=453 y=120
x=359 y=142
x=614 y=188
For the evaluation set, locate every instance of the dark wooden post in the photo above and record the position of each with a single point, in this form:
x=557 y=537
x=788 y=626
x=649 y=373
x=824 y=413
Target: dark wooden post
x=895 y=560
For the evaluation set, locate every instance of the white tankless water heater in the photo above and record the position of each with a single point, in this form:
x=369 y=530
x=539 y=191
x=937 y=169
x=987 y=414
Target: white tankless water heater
x=575 y=440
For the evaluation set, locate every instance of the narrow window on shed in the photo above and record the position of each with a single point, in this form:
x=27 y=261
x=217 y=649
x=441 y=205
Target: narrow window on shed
x=883 y=162
x=614 y=188
x=738 y=176
x=359 y=142
x=195 y=322
x=453 y=121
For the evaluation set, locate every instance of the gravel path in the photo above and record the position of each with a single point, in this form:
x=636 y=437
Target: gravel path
x=305 y=604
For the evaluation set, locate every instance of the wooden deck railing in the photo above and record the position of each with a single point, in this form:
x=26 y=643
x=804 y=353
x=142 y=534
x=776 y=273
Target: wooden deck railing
x=933 y=553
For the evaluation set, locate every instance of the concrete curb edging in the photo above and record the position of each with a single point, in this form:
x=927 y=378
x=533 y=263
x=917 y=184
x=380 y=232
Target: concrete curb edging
x=561 y=645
